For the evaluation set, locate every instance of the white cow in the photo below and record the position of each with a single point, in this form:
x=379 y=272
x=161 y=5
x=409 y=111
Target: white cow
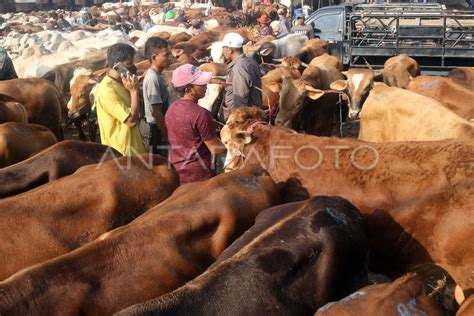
x=36 y=58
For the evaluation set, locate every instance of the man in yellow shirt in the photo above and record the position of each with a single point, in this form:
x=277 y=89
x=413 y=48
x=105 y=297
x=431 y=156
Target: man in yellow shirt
x=117 y=102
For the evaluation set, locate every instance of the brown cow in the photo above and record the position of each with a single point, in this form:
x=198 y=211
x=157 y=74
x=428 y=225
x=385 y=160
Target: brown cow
x=11 y=110
x=71 y=211
x=358 y=85
x=18 y=141
x=164 y=35
x=294 y=259
x=414 y=195
x=158 y=252
x=271 y=85
x=82 y=87
x=61 y=75
x=405 y=296
x=292 y=62
x=57 y=161
x=41 y=100
x=448 y=92
x=328 y=61
x=304 y=100
x=313 y=48
x=178 y=38
x=398 y=72
x=219 y=33
x=464 y=76
x=195 y=43
x=393 y=114
x=467 y=308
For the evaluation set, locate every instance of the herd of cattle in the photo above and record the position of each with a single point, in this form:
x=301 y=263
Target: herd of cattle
x=302 y=223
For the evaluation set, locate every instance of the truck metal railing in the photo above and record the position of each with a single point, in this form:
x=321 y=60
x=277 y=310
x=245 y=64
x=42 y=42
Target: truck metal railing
x=403 y=7
x=441 y=35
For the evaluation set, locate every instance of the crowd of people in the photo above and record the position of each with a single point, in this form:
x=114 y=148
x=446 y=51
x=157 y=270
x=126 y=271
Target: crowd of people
x=183 y=131
x=283 y=27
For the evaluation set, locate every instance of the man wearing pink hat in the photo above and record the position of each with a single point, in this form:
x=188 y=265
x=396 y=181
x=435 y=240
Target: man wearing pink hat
x=192 y=132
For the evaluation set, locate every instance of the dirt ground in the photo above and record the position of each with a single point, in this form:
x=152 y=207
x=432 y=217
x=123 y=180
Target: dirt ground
x=349 y=129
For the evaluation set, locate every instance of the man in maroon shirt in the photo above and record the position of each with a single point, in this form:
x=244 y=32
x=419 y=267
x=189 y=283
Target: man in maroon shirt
x=191 y=129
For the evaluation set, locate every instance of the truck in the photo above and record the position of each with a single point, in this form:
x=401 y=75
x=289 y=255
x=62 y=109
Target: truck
x=368 y=34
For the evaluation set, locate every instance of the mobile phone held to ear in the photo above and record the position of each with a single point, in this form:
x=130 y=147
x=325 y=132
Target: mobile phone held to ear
x=120 y=68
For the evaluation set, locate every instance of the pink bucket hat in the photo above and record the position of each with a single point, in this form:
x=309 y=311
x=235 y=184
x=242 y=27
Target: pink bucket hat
x=190 y=74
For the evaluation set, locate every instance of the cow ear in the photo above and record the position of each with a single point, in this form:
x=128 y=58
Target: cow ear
x=266 y=51
x=313 y=93
x=274 y=87
x=177 y=52
x=93 y=81
x=339 y=85
x=242 y=138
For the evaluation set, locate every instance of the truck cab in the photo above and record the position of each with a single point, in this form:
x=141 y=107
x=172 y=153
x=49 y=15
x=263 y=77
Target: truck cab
x=329 y=24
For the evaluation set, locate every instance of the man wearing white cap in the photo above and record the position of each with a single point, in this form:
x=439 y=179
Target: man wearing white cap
x=243 y=83
x=192 y=131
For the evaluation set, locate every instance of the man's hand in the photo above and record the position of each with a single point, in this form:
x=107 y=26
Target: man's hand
x=130 y=82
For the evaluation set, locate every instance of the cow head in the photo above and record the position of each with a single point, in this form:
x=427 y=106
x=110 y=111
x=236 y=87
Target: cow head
x=293 y=95
x=313 y=48
x=293 y=62
x=400 y=70
x=236 y=134
x=358 y=85
x=82 y=99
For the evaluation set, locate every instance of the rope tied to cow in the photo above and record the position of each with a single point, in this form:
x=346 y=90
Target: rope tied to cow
x=264 y=63
x=342 y=96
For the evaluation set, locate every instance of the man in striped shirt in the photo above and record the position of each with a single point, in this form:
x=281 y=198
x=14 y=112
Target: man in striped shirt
x=301 y=28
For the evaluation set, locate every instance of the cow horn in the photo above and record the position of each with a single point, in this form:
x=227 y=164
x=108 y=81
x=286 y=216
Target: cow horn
x=367 y=63
x=278 y=59
x=304 y=65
